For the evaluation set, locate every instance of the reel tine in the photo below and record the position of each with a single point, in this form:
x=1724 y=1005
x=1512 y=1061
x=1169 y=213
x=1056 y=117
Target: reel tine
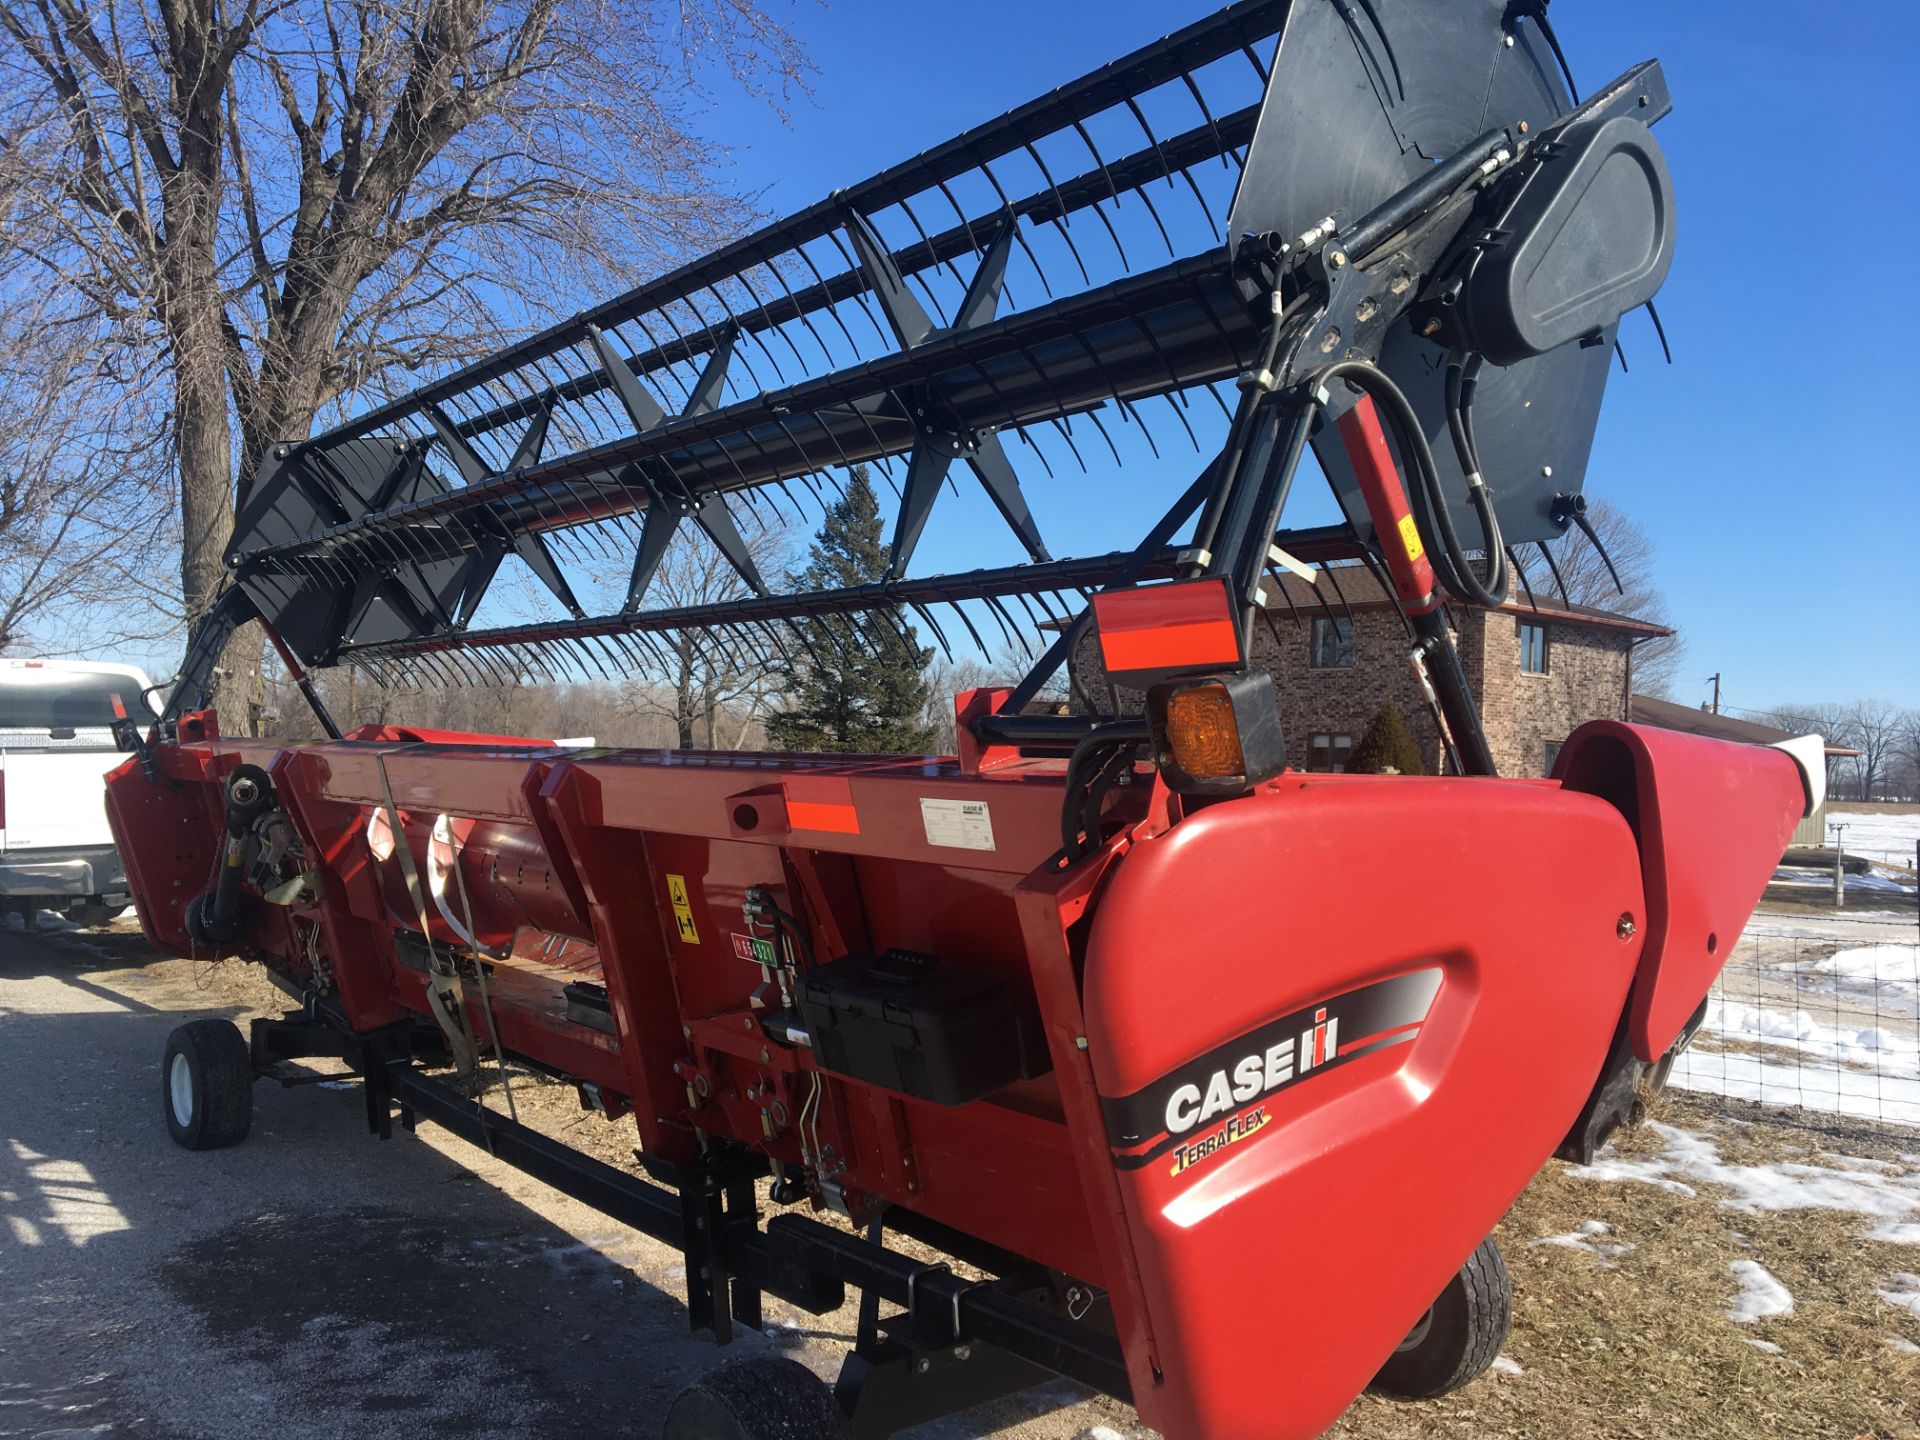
x=1661 y=330
x=1546 y=554
x=1520 y=569
x=1593 y=538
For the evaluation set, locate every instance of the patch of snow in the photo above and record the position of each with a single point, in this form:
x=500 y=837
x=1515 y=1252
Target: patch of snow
x=1761 y=1296
x=1766 y=1347
x=1884 y=967
x=1903 y=1290
x=1587 y=1238
x=1100 y=1432
x=1875 y=1188
x=1506 y=1365
x=1877 y=1048
x=1879 y=834
x=1901 y=1345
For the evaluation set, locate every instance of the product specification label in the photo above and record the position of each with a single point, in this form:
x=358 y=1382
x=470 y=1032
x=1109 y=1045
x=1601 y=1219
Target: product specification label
x=957 y=824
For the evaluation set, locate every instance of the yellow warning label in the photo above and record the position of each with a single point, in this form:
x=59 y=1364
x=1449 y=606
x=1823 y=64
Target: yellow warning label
x=682 y=908
x=1410 y=537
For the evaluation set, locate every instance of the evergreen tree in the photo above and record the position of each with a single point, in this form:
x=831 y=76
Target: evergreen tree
x=1388 y=744
x=859 y=685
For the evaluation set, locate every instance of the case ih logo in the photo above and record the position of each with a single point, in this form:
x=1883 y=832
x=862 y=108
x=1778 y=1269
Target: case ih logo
x=1221 y=1084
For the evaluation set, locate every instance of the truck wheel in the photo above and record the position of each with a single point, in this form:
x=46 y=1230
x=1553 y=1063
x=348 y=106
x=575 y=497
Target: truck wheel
x=765 y=1398
x=95 y=913
x=1459 y=1336
x=206 y=1085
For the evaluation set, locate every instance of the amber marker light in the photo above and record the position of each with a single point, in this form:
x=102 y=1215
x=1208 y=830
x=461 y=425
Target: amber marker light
x=1202 y=733
x=1216 y=734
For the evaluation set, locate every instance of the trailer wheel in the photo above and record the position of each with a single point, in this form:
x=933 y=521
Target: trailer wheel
x=765 y=1398
x=206 y=1085
x=1459 y=1336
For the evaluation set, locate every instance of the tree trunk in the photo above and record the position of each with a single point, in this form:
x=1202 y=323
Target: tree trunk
x=683 y=707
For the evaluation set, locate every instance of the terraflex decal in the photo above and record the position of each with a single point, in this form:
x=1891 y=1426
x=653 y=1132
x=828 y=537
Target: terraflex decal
x=1214 y=1102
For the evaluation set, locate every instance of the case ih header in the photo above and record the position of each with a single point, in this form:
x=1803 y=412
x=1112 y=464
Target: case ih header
x=1211 y=1077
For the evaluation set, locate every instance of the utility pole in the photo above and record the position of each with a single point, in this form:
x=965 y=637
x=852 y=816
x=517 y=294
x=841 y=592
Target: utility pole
x=1714 y=679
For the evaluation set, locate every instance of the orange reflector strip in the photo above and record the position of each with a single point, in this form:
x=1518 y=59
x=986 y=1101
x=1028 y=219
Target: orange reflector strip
x=813 y=815
x=820 y=802
x=1202 y=733
x=1185 y=626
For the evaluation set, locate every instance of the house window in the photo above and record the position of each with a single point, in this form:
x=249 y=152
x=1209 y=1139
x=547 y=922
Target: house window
x=1332 y=642
x=1330 y=752
x=1552 y=755
x=1533 y=649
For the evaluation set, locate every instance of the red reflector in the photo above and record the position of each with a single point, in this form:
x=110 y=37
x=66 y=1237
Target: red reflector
x=1162 y=628
x=821 y=802
x=836 y=819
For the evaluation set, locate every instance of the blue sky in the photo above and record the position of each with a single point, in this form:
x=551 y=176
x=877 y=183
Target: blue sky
x=1765 y=463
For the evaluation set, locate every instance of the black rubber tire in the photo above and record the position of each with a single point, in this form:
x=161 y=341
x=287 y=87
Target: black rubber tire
x=214 y=1077
x=764 y=1398
x=1459 y=1337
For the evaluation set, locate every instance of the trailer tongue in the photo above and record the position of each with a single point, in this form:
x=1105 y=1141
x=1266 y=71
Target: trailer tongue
x=1212 y=1078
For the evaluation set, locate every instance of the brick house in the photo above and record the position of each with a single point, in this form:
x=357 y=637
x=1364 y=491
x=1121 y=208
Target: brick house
x=1337 y=651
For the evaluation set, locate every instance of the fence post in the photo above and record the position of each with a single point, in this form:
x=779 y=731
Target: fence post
x=1839 y=833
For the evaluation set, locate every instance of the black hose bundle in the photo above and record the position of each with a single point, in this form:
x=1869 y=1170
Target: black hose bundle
x=1452 y=567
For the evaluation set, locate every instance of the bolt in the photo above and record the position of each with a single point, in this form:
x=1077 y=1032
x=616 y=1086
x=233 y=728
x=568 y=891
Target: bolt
x=923 y=1366
x=1509 y=42
x=1625 y=928
x=1337 y=259
x=1080 y=1042
x=1430 y=329
x=747 y=1023
x=1547 y=470
x=766 y=1054
x=963 y=1352
x=1523 y=127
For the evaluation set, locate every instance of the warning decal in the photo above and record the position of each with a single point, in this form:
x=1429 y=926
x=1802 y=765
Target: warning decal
x=682 y=909
x=1410 y=537
x=957 y=824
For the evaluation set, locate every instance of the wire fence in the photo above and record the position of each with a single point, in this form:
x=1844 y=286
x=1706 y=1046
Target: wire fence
x=1818 y=1012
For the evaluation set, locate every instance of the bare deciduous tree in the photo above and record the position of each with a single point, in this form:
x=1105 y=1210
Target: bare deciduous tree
x=708 y=681
x=1874 y=726
x=82 y=506
x=275 y=206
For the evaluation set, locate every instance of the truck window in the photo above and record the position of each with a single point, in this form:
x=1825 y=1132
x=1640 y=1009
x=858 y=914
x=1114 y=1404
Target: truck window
x=51 y=700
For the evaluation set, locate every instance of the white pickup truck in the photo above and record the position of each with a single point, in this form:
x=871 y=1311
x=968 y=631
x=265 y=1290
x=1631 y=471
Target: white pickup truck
x=56 y=746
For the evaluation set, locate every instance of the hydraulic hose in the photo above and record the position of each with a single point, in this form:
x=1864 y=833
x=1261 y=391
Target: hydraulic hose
x=1077 y=814
x=1462 y=378
x=1451 y=563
